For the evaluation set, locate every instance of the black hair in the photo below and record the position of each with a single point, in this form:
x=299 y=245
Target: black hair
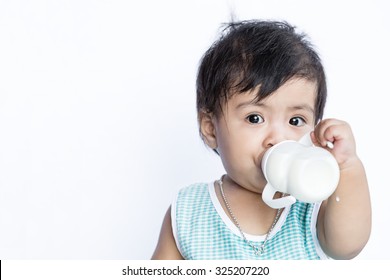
x=257 y=53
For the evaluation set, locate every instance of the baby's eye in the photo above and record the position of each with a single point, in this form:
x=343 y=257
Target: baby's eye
x=297 y=121
x=255 y=119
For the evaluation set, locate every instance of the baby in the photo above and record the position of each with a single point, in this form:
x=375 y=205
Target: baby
x=261 y=83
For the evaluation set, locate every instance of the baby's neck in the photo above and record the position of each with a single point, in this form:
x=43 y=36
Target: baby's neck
x=253 y=215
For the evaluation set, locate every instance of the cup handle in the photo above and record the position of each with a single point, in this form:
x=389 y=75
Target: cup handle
x=306 y=140
x=268 y=198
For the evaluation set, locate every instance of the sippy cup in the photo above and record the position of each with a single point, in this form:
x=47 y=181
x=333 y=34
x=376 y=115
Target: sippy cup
x=306 y=172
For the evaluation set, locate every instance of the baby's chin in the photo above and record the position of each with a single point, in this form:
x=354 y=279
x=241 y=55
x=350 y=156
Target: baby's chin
x=262 y=181
x=260 y=185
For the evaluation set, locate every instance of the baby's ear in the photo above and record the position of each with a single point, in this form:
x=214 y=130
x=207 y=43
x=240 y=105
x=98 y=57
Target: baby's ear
x=207 y=129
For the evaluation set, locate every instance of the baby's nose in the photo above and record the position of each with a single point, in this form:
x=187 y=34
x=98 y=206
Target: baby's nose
x=274 y=137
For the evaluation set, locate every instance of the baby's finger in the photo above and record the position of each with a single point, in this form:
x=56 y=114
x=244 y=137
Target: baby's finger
x=325 y=132
x=314 y=139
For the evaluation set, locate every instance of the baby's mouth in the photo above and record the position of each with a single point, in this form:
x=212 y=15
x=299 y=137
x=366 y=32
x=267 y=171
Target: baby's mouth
x=260 y=158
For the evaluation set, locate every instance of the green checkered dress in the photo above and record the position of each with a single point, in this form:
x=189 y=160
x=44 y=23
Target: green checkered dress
x=203 y=231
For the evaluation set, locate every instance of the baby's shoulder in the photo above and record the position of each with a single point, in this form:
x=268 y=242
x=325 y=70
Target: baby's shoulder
x=196 y=191
x=194 y=188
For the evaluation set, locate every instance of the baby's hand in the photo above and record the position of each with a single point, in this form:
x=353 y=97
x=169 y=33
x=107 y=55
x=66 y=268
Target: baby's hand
x=340 y=134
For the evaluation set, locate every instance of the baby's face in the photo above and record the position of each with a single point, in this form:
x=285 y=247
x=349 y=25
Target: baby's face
x=246 y=129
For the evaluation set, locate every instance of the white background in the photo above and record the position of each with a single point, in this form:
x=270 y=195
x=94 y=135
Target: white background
x=98 y=125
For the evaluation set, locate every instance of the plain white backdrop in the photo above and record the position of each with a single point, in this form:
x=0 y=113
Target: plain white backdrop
x=98 y=125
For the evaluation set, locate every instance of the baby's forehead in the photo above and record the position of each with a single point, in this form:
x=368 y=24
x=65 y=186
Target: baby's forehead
x=293 y=90
x=297 y=93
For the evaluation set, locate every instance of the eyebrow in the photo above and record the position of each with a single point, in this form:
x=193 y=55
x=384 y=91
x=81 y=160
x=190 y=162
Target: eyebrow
x=303 y=106
x=249 y=103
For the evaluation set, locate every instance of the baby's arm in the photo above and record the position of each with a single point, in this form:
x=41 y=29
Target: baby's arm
x=344 y=220
x=166 y=247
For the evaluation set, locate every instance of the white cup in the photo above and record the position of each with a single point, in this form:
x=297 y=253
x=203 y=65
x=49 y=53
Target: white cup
x=306 y=172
